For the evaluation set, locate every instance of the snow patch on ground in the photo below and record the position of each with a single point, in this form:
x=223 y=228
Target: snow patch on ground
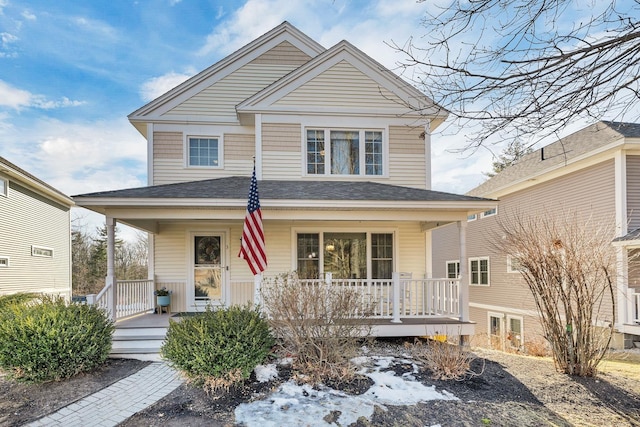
x=265 y=373
x=293 y=404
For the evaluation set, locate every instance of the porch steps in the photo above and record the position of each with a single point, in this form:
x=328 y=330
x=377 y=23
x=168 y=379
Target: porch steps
x=139 y=339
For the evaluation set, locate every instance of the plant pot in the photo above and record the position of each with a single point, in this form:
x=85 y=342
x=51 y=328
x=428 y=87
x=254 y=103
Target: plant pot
x=163 y=300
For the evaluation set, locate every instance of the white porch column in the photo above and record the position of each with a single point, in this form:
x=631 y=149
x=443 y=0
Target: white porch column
x=258 y=158
x=396 y=297
x=257 y=289
x=464 y=274
x=624 y=302
x=110 y=280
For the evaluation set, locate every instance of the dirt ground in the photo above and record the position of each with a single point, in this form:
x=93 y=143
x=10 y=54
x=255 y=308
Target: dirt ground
x=511 y=391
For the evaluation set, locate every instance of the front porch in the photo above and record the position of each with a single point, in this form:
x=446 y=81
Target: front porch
x=398 y=307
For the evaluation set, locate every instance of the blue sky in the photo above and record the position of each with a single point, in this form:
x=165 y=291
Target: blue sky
x=71 y=71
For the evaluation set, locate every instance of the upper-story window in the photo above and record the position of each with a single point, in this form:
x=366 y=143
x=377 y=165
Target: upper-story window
x=344 y=152
x=4 y=187
x=490 y=212
x=203 y=151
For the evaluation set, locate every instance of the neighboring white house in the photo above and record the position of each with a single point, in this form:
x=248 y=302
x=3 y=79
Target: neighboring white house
x=35 y=234
x=342 y=153
x=593 y=173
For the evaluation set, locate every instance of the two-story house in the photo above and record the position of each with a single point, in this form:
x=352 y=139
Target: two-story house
x=35 y=235
x=341 y=148
x=593 y=173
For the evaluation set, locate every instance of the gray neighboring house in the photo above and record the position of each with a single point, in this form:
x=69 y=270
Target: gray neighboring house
x=594 y=172
x=35 y=237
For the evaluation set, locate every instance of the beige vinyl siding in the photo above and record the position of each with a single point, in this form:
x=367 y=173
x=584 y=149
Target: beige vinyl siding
x=589 y=192
x=30 y=219
x=633 y=192
x=407 y=157
x=284 y=53
x=343 y=86
x=220 y=99
x=282 y=158
x=169 y=163
x=172 y=264
x=445 y=247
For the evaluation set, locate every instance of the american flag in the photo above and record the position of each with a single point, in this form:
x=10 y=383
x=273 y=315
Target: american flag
x=252 y=247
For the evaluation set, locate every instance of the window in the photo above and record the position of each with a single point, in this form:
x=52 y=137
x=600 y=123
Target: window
x=514 y=332
x=41 y=251
x=495 y=330
x=490 y=212
x=4 y=261
x=308 y=256
x=345 y=255
x=4 y=187
x=381 y=256
x=513 y=265
x=453 y=269
x=204 y=152
x=349 y=152
x=472 y=217
x=479 y=271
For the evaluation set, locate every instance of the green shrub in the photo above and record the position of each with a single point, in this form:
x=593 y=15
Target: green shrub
x=225 y=344
x=7 y=301
x=52 y=340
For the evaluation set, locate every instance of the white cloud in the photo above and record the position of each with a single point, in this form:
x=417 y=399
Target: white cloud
x=3 y=4
x=28 y=15
x=156 y=86
x=17 y=99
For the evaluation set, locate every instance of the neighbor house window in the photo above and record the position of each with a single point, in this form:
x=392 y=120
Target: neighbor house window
x=514 y=265
x=453 y=269
x=4 y=261
x=4 y=187
x=346 y=255
x=479 y=271
x=472 y=217
x=41 y=251
x=204 y=152
x=490 y=212
x=514 y=332
x=495 y=330
x=348 y=152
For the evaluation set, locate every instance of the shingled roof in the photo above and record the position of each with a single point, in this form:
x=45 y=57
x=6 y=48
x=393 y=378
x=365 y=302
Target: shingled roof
x=559 y=153
x=237 y=187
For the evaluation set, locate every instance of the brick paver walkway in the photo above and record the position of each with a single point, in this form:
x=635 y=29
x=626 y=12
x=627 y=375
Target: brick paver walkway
x=114 y=404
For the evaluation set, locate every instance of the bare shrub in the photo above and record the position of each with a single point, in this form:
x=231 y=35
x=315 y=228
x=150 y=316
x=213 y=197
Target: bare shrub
x=537 y=347
x=568 y=265
x=321 y=326
x=446 y=361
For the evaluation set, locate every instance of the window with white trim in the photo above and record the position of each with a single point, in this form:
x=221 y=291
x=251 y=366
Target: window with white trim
x=472 y=217
x=514 y=265
x=203 y=151
x=4 y=187
x=41 y=251
x=495 y=330
x=347 y=255
x=453 y=269
x=490 y=212
x=479 y=271
x=4 y=261
x=514 y=331
x=348 y=152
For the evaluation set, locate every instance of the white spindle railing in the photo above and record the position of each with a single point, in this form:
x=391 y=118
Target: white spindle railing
x=417 y=298
x=133 y=297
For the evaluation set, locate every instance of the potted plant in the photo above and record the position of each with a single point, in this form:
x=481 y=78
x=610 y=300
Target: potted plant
x=163 y=297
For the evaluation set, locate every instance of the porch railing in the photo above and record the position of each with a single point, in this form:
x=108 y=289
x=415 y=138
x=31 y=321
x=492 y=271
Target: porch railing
x=400 y=297
x=133 y=297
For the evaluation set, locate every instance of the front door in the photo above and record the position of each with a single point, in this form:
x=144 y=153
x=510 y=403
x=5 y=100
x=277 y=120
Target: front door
x=207 y=272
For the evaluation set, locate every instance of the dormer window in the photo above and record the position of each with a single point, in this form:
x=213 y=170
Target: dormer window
x=348 y=152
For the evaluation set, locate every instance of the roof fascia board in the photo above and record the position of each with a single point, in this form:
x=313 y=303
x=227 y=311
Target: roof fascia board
x=582 y=161
x=227 y=65
x=282 y=203
x=35 y=184
x=344 y=50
